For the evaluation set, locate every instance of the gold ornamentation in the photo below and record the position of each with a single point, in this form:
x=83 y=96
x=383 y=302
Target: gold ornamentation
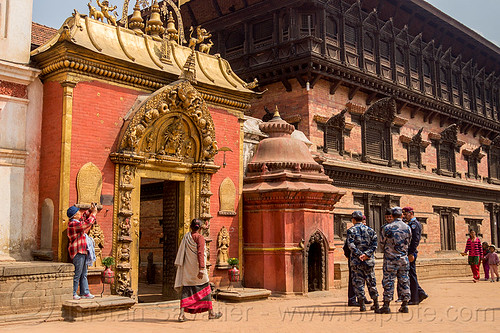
x=98 y=236
x=106 y=11
x=124 y=253
x=154 y=26
x=223 y=248
x=136 y=21
x=201 y=35
x=253 y=84
x=205 y=47
x=96 y=14
x=125 y=227
x=89 y=184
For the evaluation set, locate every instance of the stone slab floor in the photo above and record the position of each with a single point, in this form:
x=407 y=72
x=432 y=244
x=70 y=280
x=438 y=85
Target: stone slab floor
x=454 y=305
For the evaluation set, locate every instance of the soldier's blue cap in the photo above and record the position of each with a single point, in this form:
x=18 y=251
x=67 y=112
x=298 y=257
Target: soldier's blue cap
x=397 y=211
x=358 y=215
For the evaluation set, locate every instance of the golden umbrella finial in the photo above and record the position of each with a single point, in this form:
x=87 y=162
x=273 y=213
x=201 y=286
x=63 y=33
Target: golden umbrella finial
x=276 y=112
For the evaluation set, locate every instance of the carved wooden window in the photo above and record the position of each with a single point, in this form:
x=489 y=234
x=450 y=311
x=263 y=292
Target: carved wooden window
x=385 y=52
x=376 y=139
x=474 y=224
x=307 y=25
x=400 y=57
x=415 y=148
x=235 y=40
x=351 y=35
x=446 y=147
x=494 y=210
x=376 y=128
x=427 y=69
x=334 y=131
x=263 y=31
x=447 y=225
x=368 y=43
x=285 y=28
x=494 y=164
x=472 y=168
x=455 y=80
x=331 y=28
x=413 y=62
x=443 y=76
x=473 y=159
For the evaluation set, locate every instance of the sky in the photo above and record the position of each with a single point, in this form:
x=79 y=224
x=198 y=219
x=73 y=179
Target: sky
x=479 y=15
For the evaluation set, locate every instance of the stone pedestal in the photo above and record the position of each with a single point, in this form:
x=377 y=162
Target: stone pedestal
x=288 y=216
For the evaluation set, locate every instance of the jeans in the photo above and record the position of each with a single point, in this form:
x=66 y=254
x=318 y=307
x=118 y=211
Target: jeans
x=80 y=275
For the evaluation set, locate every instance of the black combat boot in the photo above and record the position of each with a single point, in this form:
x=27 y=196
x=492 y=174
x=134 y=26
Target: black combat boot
x=362 y=307
x=404 y=307
x=375 y=305
x=385 y=308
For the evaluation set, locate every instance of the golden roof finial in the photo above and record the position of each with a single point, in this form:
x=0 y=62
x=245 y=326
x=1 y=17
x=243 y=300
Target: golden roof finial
x=154 y=26
x=276 y=112
x=136 y=21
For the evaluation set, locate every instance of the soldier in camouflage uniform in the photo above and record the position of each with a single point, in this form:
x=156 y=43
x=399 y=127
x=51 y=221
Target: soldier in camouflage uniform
x=395 y=239
x=362 y=242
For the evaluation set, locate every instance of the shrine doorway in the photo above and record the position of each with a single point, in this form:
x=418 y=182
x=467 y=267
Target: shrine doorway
x=158 y=235
x=316 y=261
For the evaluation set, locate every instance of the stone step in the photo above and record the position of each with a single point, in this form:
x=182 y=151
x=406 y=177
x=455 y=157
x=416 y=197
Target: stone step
x=242 y=294
x=89 y=309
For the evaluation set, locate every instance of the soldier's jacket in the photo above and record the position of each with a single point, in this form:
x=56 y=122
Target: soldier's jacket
x=395 y=240
x=361 y=239
x=416 y=234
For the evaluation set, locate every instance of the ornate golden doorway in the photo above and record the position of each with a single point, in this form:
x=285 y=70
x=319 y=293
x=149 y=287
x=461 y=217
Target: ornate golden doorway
x=168 y=136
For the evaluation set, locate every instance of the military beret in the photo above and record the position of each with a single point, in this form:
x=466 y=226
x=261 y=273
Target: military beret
x=407 y=209
x=397 y=211
x=358 y=215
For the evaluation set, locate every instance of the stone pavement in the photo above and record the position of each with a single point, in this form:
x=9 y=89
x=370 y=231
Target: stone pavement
x=454 y=305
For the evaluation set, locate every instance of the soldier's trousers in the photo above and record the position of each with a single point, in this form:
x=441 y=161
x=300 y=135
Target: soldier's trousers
x=399 y=269
x=360 y=274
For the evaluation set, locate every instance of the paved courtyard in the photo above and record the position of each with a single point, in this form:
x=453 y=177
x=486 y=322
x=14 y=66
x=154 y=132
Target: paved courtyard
x=454 y=305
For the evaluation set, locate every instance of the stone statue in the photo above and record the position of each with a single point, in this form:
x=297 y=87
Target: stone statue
x=223 y=248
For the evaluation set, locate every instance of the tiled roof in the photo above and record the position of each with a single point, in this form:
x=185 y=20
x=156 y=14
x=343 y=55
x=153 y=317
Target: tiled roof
x=40 y=34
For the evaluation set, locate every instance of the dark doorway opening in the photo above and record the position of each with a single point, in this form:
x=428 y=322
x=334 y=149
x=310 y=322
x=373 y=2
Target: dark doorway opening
x=158 y=236
x=314 y=267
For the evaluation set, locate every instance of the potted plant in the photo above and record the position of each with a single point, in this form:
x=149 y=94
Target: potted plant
x=108 y=276
x=233 y=273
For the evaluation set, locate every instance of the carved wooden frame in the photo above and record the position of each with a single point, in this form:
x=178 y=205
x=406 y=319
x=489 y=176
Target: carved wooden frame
x=141 y=152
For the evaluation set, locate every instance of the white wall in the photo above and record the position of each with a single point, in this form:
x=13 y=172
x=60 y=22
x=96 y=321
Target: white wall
x=15 y=30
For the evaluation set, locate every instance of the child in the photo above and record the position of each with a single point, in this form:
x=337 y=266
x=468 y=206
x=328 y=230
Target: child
x=486 y=266
x=493 y=261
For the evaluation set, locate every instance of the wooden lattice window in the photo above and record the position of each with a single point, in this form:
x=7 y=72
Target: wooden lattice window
x=445 y=156
x=368 y=44
x=235 y=40
x=415 y=147
x=333 y=139
x=385 y=52
x=351 y=35
x=263 y=31
x=400 y=57
x=446 y=146
x=413 y=62
x=307 y=25
x=494 y=163
x=427 y=69
x=331 y=28
x=473 y=159
x=334 y=131
x=376 y=138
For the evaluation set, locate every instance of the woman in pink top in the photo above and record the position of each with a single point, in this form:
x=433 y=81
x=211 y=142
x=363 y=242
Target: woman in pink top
x=475 y=250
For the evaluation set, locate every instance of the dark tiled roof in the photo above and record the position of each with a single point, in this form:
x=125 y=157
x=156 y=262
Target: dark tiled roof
x=40 y=34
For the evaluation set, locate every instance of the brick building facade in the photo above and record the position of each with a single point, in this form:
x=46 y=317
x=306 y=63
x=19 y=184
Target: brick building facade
x=400 y=101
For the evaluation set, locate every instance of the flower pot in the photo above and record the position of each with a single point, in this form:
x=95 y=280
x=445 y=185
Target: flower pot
x=233 y=274
x=108 y=276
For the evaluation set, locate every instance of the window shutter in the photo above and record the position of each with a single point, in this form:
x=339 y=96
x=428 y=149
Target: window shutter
x=375 y=140
x=445 y=158
x=414 y=154
x=384 y=49
x=350 y=35
x=333 y=138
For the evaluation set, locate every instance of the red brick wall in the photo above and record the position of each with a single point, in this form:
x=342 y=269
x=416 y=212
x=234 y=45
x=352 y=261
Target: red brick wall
x=227 y=133
x=50 y=155
x=98 y=111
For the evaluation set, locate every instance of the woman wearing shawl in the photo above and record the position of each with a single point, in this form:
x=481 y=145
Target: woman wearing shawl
x=191 y=280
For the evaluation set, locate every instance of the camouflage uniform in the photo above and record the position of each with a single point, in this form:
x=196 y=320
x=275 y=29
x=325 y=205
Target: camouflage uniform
x=395 y=239
x=362 y=240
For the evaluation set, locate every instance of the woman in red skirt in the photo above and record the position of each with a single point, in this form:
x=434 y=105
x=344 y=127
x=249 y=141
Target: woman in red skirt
x=475 y=250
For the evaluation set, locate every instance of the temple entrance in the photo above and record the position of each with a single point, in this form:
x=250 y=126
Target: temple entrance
x=314 y=261
x=158 y=235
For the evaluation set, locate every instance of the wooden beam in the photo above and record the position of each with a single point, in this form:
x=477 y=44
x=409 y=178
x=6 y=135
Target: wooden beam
x=370 y=98
x=401 y=107
x=191 y=14
x=217 y=7
x=315 y=80
x=431 y=117
x=301 y=81
x=334 y=86
x=442 y=120
x=414 y=112
x=286 y=84
x=352 y=92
